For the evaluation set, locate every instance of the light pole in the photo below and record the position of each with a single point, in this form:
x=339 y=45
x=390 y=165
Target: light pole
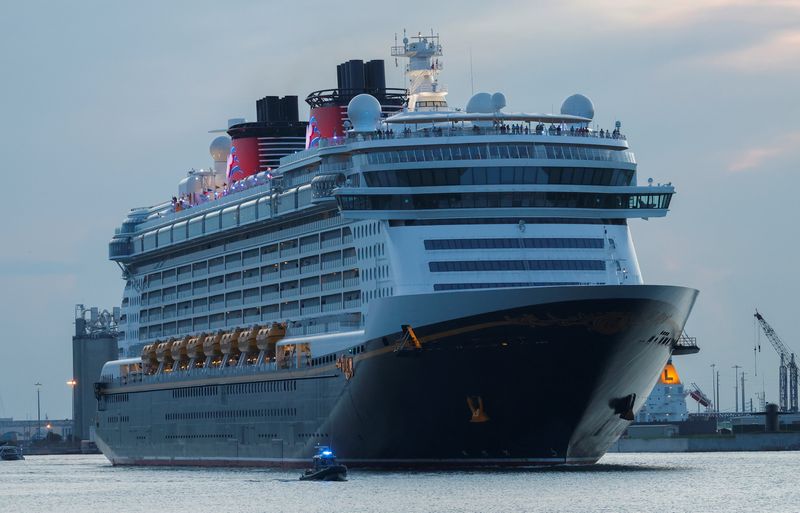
x=38 y=409
x=736 y=386
x=743 y=400
x=72 y=384
x=716 y=407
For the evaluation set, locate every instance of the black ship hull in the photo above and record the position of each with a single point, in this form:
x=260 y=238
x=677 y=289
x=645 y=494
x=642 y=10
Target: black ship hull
x=541 y=376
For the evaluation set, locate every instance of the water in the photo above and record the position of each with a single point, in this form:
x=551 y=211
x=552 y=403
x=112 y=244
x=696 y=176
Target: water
x=621 y=483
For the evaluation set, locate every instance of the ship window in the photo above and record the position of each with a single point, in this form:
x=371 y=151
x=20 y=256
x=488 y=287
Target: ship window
x=568 y=243
x=179 y=231
x=212 y=222
x=149 y=241
x=199 y=269
x=577 y=200
x=230 y=217
x=233 y=261
x=517 y=265
x=247 y=212
x=164 y=236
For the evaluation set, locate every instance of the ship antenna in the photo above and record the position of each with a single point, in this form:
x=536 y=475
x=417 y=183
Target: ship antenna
x=471 y=75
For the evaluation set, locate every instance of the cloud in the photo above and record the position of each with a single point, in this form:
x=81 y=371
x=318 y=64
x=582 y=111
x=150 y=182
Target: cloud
x=649 y=15
x=754 y=158
x=779 y=51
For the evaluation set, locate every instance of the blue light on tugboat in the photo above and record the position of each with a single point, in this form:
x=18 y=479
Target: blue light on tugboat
x=327 y=453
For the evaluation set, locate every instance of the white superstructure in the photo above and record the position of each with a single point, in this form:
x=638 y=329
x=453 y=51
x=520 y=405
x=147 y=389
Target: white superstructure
x=435 y=199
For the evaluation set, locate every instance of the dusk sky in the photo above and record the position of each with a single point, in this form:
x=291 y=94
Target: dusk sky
x=104 y=106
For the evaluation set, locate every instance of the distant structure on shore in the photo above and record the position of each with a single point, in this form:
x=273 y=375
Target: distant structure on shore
x=94 y=343
x=667 y=401
x=28 y=430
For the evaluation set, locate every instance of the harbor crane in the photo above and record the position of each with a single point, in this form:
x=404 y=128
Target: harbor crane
x=787 y=374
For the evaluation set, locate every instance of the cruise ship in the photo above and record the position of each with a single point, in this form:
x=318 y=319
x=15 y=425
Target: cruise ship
x=409 y=283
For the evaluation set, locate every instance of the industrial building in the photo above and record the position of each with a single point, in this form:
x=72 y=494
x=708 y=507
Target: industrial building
x=94 y=343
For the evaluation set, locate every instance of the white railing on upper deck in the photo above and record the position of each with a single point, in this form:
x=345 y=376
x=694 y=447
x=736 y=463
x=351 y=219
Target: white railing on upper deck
x=424 y=130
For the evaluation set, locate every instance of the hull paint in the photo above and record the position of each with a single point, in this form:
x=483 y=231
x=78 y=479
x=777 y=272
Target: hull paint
x=502 y=378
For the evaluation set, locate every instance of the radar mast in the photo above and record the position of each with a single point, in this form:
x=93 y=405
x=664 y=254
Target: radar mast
x=422 y=71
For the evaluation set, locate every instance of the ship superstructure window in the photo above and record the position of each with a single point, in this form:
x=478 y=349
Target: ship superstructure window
x=505 y=200
x=467 y=286
x=430 y=103
x=548 y=243
x=233 y=276
x=517 y=265
x=506 y=220
x=432 y=177
x=499 y=151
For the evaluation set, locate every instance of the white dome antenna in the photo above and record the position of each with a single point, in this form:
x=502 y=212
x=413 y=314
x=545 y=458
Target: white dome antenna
x=498 y=101
x=220 y=148
x=364 y=112
x=480 y=103
x=578 y=105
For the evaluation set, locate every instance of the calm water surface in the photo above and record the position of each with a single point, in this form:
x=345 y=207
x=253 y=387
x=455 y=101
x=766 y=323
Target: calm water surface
x=713 y=482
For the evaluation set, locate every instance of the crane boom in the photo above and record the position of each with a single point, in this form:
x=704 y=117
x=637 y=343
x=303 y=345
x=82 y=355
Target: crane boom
x=773 y=337
x=788 y=370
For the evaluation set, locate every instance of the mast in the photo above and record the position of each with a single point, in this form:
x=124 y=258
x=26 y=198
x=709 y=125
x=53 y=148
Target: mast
x=422 y=70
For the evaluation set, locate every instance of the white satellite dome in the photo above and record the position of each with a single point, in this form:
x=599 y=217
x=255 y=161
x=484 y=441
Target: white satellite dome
x=364 y=112
x=191 y=184
x=498 y=101
x=220 y=148
x=480 y=103
x=578 y=105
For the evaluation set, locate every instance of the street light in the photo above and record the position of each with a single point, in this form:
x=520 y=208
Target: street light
x=713 y=394
x=38 y=409
x=72 y=384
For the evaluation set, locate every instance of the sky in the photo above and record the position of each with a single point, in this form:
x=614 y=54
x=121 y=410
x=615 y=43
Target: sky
x=104 y=106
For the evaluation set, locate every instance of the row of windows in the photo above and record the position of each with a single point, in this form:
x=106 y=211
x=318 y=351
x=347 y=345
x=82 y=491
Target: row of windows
x=118 y=418
x=369 y=295
x=204 y=391
x=518 y=265
x=519 y=221
x=499 y=176
x=241 y=266
x=272 y=232
x=467 y=286
x=499 y=151
x=367 y=230
x=330 y=306
x=430 y=103
x=219 y=220
x=505 y=200
x=284 y=385
x=205 y=436
x=117 y=398
x=254 y=295
x=232 y=414
x=372 y=251
x=268 y=435
x=536 y=243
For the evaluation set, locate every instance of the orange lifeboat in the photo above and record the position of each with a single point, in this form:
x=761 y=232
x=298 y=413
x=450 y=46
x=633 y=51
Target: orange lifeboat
x=164 y=355
x=179 y=353
x=267 y=338
x=212 y=350
x=248 y=344
x=194 y=350
x=228 y=344
x=149 y=360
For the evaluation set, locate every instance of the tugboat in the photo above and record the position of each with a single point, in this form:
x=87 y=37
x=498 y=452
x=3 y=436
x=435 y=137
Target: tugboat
x=325 y=467
x=10 y=453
